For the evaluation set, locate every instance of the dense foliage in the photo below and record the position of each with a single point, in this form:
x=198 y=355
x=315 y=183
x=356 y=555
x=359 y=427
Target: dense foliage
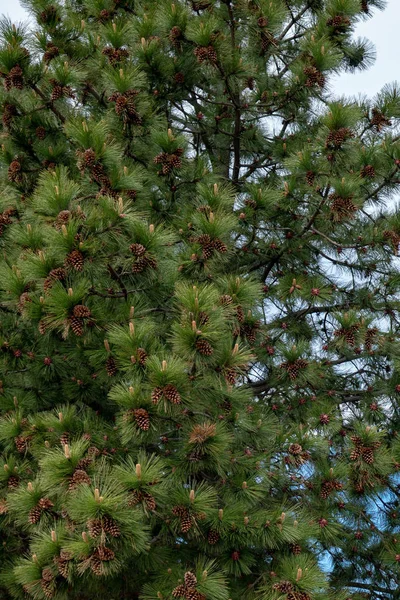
x=199 y=284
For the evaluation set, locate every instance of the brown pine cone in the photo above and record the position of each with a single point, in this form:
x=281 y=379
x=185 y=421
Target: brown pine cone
x=94 y=527
x=111 y=366
x=34 y=515
x=81 y=311
x=204 y=347
x=75 y=260
x=142 y=418
x=79 y=477
x=110 y=526
x=76 y=325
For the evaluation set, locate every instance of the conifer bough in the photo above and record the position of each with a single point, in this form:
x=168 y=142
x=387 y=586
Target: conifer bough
x=199 y=304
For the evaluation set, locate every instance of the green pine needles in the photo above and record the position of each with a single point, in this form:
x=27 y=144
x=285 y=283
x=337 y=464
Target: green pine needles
x=199 y=355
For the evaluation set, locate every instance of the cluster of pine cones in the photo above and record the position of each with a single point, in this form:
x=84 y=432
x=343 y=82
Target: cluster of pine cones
x=143 y=259
x=14 y=78
x=115 y=55
x=335 y=139
x=314 y=77
x=169 y=392
x=209 y=245
x=206 y=53
x=51 y=52
x=365 y=453
x=60 y=90
x=329 y=486
x=348 y=333
x=187 y=589
x=342 y=208
x=35 y=513
x=125 y=106
x=138 y=496
x=169 y=162
x=293 y=368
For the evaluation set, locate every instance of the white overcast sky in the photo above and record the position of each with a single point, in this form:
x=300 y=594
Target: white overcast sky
x=382 y=30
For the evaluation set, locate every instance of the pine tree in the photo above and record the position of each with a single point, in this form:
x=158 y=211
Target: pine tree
x=198 y=295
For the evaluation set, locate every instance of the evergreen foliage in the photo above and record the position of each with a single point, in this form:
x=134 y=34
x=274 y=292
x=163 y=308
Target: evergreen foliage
x=199 y=286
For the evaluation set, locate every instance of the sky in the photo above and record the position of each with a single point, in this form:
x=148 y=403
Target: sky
x=382 y=30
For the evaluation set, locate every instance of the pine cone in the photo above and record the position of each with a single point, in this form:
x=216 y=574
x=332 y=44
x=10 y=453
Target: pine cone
x=62 y=565
x=12 y=482
x=327 y=488
x=58 y=274
x=9 y=112
x=64 y=438
x=157 y=394
x=314 y=77
x=219 y=246
x=186 y=522
x=78 y=478
x=142 y=496
x=201 y=54
x=338 y=22
x=204 y=347
x=226 y=300
x=14 y=78
x=48 y=588
x=179 y=591
x=296 y=549
x=142 y=418
x=76 y=325
x=283 y=586
x=51 y=52
x=110 y=526
x=367 y=455
x=355 y=454
x=379 y=120
x=174 y=36
x=45 y=503
x=338 y=137
x=213 y=537
x=342 y=208
x=310 y=177
x=141 y=356
x=137 y=249
x=96 y=566
x=295 y=367
x=94 y=527
x=14 y=171
x=81 y=311
x=84 y=463
x=190 y=579
x=230 y=375
x=21 y=443
x=47 y=574
x=111 y=366
x=193 y=594
x=179 y=78
x=368 y=171
x=295 y=449
x=105 y=554
x=75 y=260
x=34 y=515
x=171 y=394
x=149 y=501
